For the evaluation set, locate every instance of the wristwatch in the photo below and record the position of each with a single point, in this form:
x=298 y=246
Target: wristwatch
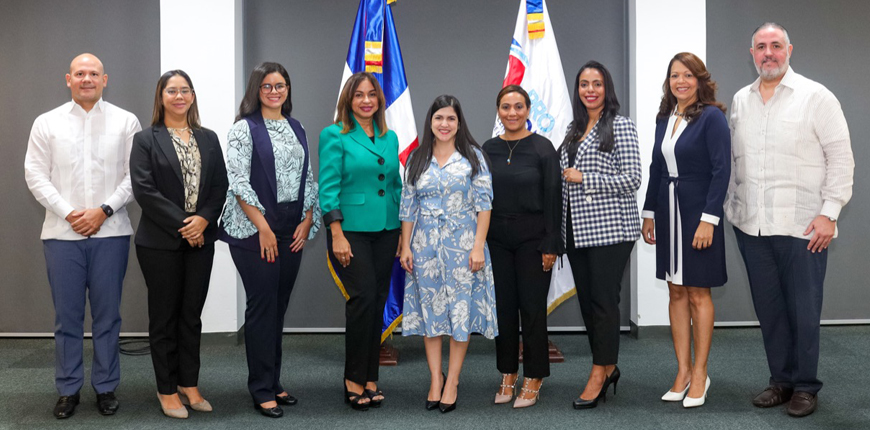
x=107 y=210
x=832 y=219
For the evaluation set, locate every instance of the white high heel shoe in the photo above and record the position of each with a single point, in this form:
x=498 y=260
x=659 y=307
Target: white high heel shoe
x=691 y=402
x=676 y=396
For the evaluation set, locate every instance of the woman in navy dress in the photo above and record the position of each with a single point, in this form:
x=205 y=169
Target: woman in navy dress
x=687 y=184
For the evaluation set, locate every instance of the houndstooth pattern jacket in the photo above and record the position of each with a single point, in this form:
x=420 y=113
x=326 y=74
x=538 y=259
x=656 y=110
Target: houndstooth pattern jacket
x=604 y=206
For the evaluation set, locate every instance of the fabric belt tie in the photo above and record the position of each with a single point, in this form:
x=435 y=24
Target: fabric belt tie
x=673 y=187
x=444 y=222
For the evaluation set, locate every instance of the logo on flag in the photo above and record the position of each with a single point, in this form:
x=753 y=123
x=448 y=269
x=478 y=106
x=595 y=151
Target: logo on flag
x=535 y=65
x=374 y=47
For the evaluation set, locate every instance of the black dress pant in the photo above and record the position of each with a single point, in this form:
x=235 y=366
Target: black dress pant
x=177 y=283
x=598 y=274
x=267 y=290
x=367 y=281
x=521 y=287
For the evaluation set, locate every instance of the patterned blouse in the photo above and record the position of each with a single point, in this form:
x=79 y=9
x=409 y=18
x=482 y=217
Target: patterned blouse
x=191 y=166
x=289 y=157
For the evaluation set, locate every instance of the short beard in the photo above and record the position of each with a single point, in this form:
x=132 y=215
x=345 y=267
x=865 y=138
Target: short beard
x=768 y=75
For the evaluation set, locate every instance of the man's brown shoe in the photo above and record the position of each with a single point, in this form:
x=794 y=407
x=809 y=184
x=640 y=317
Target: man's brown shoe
x=802 y=404
x=772 y=396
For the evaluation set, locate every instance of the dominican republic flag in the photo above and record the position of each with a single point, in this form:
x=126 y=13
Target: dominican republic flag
x=535 y=65
x=374 y=47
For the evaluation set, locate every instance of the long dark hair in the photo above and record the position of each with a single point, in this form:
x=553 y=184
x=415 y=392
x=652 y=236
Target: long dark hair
x=581 y=117
x=344 y=111
x=251 y=101
x=465 y=144
x=159 y=113
x=706 y=88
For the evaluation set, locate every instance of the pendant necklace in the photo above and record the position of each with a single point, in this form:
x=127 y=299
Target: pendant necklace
x=511 y=149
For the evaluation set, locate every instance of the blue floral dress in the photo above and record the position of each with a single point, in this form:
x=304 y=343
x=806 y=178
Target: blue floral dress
x=442 y=295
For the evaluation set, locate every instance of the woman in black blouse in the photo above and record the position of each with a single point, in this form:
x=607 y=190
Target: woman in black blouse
x=524 y=239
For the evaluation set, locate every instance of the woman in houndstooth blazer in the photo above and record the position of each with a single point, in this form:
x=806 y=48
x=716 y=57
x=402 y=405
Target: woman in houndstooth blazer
x=601 y=172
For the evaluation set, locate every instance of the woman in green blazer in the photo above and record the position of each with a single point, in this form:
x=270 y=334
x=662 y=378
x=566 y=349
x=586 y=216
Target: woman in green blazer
x=360 y=187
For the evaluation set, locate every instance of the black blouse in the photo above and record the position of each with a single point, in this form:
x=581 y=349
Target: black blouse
x=531 y=183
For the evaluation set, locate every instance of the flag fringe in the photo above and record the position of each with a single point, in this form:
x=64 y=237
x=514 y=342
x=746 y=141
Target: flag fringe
x=561 y=299
x=335 y=277
x=389 y=331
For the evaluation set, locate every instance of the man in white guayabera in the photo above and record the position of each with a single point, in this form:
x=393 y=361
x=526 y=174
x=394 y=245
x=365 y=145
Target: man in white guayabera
x=77 y=166
x=791 y=175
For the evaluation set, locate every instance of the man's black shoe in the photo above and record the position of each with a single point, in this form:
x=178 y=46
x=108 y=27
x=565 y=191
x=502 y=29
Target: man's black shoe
x=107 y=404
x=66 y=406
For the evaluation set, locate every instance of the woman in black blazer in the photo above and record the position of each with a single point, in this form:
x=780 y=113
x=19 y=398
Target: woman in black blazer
x=179 y=179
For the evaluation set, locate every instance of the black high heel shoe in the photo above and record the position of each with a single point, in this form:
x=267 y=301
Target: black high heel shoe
x=447 y=407
x=614 y=377
x=354 y=398
x=371 y=394
x=581 y=403
x=431 y=405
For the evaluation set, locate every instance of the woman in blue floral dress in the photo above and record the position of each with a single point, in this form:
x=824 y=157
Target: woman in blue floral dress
x=445 y=213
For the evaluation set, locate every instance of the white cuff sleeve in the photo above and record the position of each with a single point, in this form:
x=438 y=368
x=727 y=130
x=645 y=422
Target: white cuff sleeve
x=712 y=219
x=831 y=209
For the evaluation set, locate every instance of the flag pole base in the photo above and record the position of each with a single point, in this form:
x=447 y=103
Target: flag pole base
x=389 y=355
x=554 y=352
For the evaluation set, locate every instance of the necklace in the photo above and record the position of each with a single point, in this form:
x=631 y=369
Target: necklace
x=679 y=114
x=511 y=149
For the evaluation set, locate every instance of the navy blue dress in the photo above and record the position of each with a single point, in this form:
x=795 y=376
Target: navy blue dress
x=688 y=181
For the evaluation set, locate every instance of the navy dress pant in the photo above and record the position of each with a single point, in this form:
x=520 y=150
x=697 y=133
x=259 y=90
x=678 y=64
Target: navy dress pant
x=786 y=281
x=79 y=270
x=267 y=289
